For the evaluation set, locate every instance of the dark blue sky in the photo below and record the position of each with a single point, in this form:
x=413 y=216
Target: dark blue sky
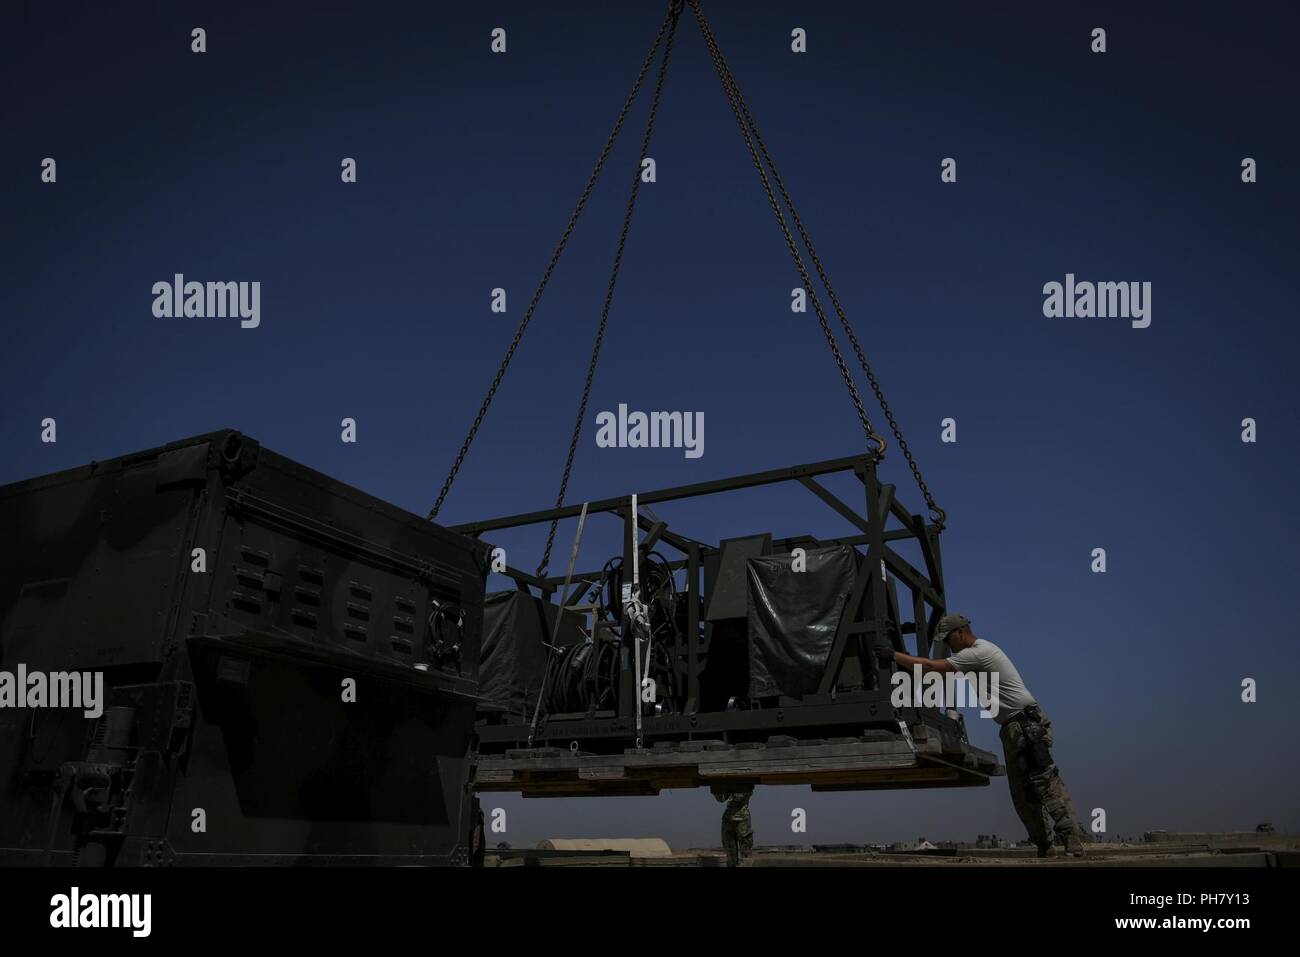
x=1073 y=434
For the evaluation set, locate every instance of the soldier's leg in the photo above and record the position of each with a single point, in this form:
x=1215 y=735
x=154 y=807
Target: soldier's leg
x=1053 y=794
x=729 y=839
x=737 y=827
x=477 y=839
x=1024 y=796
x=744 y=827
x=1056 y=801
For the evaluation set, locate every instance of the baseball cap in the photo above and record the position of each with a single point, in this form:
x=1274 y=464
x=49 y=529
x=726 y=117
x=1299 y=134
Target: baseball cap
x=949 y=623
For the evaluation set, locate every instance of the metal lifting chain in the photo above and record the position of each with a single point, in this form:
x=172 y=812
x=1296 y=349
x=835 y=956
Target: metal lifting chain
x=748 y=128
x=673 y=14
x=751 y=135
x=669 y=19
x=731 y=93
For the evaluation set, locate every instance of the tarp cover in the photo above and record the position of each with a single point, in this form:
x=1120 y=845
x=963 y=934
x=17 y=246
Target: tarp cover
x=793 y=616
x=516 y=630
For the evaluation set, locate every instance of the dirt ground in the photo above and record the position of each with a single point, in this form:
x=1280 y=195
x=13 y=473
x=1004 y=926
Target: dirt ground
x=1171 y=850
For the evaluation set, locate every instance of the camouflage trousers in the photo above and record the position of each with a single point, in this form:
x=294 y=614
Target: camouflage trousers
x=1037 y=791
x=737 y=827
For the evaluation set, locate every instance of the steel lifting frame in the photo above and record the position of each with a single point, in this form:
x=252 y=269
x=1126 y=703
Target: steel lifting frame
x=867 y=626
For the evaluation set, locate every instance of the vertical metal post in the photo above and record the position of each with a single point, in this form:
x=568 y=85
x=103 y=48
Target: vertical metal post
x=873 y=567
x=922 y=625
x=693 y=629
x=628 y=697
x=936 y=556
x=635 y=623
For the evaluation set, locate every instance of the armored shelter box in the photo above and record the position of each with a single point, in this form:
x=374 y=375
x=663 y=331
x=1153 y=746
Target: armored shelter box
x=289 y=666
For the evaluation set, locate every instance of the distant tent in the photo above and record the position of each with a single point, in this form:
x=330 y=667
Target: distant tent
x=636 y=846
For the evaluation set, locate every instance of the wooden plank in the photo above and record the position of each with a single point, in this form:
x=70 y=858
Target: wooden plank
x=837 y=765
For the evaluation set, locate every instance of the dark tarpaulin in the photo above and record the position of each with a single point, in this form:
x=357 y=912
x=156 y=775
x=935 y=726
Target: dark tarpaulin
x=793 y=617
x=516 y=629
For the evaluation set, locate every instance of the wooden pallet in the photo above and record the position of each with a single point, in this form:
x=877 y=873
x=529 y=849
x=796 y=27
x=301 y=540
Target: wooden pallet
x=874 y=761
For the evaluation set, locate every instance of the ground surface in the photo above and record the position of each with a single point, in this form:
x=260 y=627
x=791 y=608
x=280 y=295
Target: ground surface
x=1198 y=850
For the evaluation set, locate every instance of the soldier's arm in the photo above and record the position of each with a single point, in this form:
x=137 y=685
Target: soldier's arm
x=927 y=664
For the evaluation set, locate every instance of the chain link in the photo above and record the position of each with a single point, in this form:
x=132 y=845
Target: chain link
x=751 y=135
x=732 y=95
x=609 y=291
x=669 y=18
x=748 y=124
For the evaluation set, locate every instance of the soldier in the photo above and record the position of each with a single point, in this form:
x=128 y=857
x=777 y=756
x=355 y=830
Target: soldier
x=737 y=828
x=1026 y=732
x=477 y=839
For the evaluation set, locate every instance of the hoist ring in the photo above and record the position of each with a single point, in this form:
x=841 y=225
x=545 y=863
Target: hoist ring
x=881 y=445
x=938 y=515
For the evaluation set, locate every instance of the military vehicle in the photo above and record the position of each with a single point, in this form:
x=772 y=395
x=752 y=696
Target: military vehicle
x=289 y=666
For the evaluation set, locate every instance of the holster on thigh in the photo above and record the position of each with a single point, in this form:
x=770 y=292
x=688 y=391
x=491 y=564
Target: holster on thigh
x=1038 y=755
